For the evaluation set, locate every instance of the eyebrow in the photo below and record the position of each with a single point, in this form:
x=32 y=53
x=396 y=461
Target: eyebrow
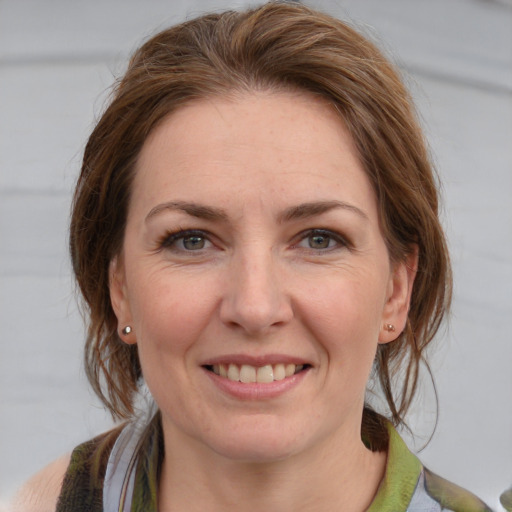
x=301 y=211
x=192 y=209
x=313 y=208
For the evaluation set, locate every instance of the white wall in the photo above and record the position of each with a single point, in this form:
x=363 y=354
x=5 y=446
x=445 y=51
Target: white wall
x=56 y=60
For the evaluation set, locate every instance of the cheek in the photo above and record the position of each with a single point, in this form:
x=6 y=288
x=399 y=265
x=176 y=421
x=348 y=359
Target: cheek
x=344 y=316
x=170 y=311
x=345 y=306
x=170 y=318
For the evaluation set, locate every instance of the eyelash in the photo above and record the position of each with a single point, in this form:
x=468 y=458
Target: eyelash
x=170 y=239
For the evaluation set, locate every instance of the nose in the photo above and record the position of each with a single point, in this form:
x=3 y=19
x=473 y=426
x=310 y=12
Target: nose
x=255 y=299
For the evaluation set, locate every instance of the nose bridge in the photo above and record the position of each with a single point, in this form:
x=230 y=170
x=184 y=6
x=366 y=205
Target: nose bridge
x=255 y=299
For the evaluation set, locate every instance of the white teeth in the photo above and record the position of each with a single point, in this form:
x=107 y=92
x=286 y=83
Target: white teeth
x=279 y=372
x=289 y=370
x=247 y=373
x=250 y=374
x=233 y=372
x=265 y=374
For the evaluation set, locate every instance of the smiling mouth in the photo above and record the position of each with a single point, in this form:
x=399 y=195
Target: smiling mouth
x=251 y=374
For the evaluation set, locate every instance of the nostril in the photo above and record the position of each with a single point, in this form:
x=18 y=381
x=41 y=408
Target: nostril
x=254 y=299
x=256 y=318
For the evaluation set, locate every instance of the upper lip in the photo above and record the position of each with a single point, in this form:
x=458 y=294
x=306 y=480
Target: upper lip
x=257 y=361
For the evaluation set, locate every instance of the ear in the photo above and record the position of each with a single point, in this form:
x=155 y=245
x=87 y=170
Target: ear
x=396 y=308
x=119 y=300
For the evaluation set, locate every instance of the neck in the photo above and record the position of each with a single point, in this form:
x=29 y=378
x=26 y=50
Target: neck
x=338 y=474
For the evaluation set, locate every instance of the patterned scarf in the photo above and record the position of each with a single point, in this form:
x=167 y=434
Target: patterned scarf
x=406 y=487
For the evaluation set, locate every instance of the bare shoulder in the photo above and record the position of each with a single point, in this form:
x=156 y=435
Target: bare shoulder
x=41 y=492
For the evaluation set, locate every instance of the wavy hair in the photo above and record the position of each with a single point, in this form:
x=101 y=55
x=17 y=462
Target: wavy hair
x=278 y=46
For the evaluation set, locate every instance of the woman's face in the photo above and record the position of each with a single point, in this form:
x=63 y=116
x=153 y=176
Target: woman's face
x=255 y=276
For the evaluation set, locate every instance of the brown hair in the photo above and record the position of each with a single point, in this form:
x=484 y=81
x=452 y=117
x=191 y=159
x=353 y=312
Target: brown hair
x=276 y=46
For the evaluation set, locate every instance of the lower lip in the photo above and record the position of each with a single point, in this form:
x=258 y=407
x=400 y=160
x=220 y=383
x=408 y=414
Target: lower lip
x=255 y=390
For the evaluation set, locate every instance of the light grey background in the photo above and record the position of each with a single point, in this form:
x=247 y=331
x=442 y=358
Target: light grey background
x=57 y=59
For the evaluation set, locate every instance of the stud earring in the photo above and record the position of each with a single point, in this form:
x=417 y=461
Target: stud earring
x=389 y=327
x=126 y=330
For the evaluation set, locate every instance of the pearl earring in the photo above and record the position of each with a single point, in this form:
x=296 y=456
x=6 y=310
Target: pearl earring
x=127 y=330
x=389 y=327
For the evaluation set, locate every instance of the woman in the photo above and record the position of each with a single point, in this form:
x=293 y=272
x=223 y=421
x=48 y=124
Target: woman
x=255 y=234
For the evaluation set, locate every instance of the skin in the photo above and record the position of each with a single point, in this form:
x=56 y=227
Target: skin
x=41 y=492
x=254 y=175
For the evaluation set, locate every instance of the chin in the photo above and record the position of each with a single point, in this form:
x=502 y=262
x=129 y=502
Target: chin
x=256 y=452
x=259 y=444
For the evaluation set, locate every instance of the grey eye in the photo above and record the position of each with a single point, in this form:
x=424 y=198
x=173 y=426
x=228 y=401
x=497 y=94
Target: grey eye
x=320 y=240
x=193 y=242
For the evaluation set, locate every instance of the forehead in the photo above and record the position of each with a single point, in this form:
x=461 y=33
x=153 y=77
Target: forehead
x=267 y=143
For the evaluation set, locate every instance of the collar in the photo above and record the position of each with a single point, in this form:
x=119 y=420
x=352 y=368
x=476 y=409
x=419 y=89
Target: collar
x=403 y=470
x=395 y=492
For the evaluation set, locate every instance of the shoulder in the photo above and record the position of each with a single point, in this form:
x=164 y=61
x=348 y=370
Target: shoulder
x=41 y=492
x=82 y=488
x=452 y=497
x=73 y=482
